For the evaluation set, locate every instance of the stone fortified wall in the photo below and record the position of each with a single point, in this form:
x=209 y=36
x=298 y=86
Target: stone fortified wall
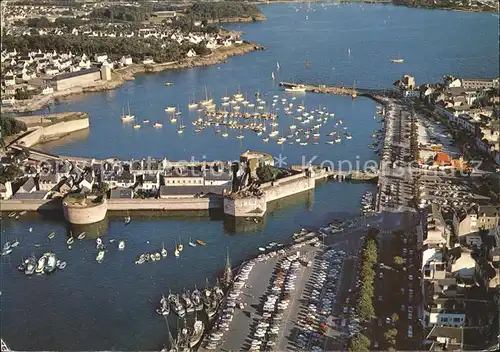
x=257 y=206
x=46 y=133
x=80 y=215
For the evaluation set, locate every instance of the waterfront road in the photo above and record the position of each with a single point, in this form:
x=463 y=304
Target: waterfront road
x=256 y=286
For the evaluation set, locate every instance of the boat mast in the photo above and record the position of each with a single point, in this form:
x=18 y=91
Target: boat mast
x=228 y=273
x=170 y=340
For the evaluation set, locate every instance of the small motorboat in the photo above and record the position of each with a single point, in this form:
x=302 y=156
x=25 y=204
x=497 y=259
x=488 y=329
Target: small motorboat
x=100 y=257
x=201 y=243
x=168 y=84
x=22 y=266
x=157 y=256
x=30 y=229
x=12 y=215
x=98 y=242
x=192 y=244
x=70 y=241
x=23 y=213
x=163 y=251
x=140 y=260
x=262 y=249
x=121 y=245
x=60 y=265
x=176 y=252
x=127 y=220
x=180 y=247
x=6 y=251
x=81 y=236
x=52 y=235
x=6 y=246
x=30 y=268
x=14 y=244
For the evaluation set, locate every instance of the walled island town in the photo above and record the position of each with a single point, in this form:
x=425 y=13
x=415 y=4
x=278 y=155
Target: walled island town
x=157 y=193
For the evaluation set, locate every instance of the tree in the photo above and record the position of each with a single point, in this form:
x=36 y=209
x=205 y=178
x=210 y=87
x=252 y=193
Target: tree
x=365 y=307
x=390 y=336
x=10 y=173
x=360 y=343
x=398 y=260
x=394 y=317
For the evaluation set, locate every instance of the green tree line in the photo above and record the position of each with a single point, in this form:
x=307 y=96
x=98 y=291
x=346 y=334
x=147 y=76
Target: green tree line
x=121 y=13
x=10 y=126
x=222 y=10
x=137 y=48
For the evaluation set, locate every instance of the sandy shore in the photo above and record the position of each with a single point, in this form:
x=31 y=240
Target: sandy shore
x=120 y=76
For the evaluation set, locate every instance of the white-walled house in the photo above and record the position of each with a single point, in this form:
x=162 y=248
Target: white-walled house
x=47 y=90
x=191 y=53
x=148 y=60
x=100 y=58
x=126 y=60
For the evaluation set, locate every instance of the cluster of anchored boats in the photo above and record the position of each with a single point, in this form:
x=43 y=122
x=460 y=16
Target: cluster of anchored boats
x=367 y=202
x=187 y=303
x=237 y=113
x=146 y=257
x=46 y=264
x=8 y=247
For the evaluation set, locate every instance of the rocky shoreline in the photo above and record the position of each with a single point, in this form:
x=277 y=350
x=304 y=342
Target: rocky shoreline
x=120 y=76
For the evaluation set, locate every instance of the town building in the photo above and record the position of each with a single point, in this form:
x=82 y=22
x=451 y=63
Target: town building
x=76 y=79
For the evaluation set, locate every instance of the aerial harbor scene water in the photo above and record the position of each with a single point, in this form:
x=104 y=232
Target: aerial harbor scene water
x=238 y=203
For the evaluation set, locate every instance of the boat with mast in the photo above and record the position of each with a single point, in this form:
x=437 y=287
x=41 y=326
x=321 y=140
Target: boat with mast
x=192 y=244
x=207 y=101
x=397 y=60
x=180 y=247
x=196 y=332
x=176 y=251
x=163 y=250
x=129 y=116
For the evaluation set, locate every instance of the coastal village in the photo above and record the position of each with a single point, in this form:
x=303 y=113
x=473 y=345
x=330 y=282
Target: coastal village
x=31 y=78
x=417 y=270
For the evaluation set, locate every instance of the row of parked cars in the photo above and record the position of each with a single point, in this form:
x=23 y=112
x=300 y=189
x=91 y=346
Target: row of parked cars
x=322 y=298
x=275 y=301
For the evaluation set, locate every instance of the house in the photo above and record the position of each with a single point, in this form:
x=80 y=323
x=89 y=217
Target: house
x=9 y=80
x=181 y=177
x=191 y=191
x=47 y=90
x=126 y=60
x=488 y=217
x=150 y=182
x=125 y=179
x=213 y=178
x=148 y=60
x=87 y=182
x=100 y=58
x=480 y=83
x=465 y=221
x=445 y=311
x=47 y=182
x=191 y=53
x=443 y=338
x=121 y=193
x=28 y=186
x=5 y=190
x=460 y=262
x=35 y=195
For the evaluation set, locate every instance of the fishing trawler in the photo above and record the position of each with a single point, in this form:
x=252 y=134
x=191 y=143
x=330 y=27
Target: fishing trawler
x=397 y=60
x=176 y=305
x=188 y=304
x=164 y=307
x=196 y=299
x=196 y=333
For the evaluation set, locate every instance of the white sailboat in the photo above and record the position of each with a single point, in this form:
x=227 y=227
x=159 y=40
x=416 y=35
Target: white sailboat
x=129 y=116
x=278 y=66
x=127 y=219
x=176 y=251
x=192 y=244
x=272 y=75
x=163 y=251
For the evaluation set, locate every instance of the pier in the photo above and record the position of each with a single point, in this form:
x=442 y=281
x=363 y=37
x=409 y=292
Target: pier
x=321 y=173
x=339 y=90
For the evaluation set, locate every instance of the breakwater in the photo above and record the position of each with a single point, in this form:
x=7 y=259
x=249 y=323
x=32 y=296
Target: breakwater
x=43 y=128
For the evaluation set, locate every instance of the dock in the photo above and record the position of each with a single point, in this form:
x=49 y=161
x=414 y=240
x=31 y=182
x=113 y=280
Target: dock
x=375 y=94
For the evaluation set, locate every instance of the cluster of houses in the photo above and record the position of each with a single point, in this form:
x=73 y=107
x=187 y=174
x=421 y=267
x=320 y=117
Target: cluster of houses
x=460 y=274
x=471 y=105
x=129 y=179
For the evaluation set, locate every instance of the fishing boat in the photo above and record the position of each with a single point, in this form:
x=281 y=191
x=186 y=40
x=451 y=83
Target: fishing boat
x=6 y=251
x=397 y=60
x=262 y=249
x=41 y=264
x=168 y=84
x=11 y=215
x=23 y=213
x=81 y=236
x=100 y=256
x=201 y=243
x=145 y=121
x=50 y=265
x=196 y=333
x=158 y=125
x=176 y=305
x=129 y=116
x=30 y=266
x=52 y=235
x=137 y=126
x=176 y=251
x=14 y=244
x=170 y=109
x=60 y=265
x=338 y=140
x=70 y=240
x=156 y=256
x=329 y=142
x=180 y=247
x=163 y=251
x=121 y=245
x=127 y=219
x=164 y=307
x=192 y=244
